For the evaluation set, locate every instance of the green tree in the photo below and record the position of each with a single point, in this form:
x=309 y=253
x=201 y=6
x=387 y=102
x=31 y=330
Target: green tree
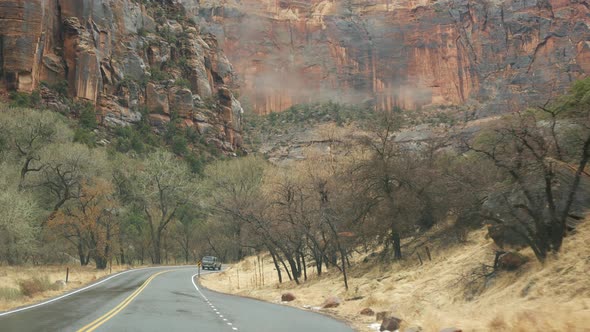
x=27 y=133
x=164 y=187
x=18 y=221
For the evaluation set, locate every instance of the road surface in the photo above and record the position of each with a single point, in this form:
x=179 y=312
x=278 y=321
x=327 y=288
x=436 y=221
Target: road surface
x=161 y=299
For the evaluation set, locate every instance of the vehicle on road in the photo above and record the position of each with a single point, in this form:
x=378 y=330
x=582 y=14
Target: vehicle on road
x=211 y=263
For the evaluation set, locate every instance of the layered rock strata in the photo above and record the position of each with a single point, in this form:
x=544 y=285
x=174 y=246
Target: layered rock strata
x=123 y=57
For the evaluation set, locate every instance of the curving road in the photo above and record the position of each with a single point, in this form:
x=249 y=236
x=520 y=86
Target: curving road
x=161 y=299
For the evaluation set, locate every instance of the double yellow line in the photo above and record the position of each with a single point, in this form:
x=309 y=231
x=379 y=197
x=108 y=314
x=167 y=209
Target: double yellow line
x=104 y=318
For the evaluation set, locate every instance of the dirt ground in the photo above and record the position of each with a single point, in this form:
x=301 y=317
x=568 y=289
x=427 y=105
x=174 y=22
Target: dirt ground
x=444 y=292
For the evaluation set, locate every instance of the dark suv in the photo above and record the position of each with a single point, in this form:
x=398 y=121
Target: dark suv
x=211 y=263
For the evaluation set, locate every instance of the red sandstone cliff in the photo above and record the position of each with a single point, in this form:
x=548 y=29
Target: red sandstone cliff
x=121 y=56
x=499 y=53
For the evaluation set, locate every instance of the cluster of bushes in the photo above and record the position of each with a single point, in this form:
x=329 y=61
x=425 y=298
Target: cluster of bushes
x=36 y=285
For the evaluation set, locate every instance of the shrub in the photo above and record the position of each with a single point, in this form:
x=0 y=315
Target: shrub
x=8 y=293
x=179 y=145
x=22 y=99
x=182 y=82
x=196 y=164
x=87 y=116
x=35 y=285
x=158 y=75
x=129 y=139
x=61 y=87
x=85 y=136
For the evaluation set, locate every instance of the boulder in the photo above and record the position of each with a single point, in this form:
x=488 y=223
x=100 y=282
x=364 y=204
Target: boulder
x=157 y=99
x=287 y=297
x=511 y=261
x=382 y=315
x=367 y=312
x=181 y=100
x=390 y=324
x=331 y=302
x=451 y=329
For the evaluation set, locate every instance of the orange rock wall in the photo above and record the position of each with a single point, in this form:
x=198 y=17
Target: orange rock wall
x=390 y=53
x=108 y=51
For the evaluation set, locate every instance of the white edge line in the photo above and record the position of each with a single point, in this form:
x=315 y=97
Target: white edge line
x=196 y=287
x=82 y=289
x=203 y=295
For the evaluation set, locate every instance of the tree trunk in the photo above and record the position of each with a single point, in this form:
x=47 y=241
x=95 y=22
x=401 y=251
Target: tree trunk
x=122 y=255
x=101 y=262
x=304 y=267
x=276 y=264
x=343 y=256
x=397 y=246
x=81 y=254
x=157 y=247
x=294 y=270
x=286 y=269
x=298 y=259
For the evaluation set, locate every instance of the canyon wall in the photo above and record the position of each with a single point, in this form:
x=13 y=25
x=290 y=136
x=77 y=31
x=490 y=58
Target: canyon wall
x=130 y=59
x=495 y=54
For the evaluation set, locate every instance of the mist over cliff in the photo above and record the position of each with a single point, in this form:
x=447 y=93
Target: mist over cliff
x=496 y=54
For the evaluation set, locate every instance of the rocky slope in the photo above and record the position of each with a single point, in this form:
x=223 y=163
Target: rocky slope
x=128 y=58
x=404 y=53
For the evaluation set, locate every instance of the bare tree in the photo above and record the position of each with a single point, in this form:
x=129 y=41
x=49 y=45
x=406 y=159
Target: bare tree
x=543 y=189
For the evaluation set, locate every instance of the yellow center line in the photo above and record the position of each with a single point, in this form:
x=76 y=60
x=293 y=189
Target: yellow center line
x=104 y=318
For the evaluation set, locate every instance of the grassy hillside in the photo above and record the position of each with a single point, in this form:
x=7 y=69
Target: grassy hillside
x=443 y=292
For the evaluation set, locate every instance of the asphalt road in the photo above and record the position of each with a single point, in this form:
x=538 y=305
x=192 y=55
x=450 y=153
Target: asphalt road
x=162 y=299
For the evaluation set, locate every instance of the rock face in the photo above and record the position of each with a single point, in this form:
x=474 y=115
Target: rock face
x=123 y=56
x=402 y=53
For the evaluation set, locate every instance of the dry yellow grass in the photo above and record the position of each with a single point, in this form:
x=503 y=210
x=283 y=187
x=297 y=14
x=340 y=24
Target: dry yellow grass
x=550 y=297
x=10 y=277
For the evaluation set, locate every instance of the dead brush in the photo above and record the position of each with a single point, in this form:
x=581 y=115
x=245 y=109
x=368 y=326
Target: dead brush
x=35 y=285
x=10 y=294
x=476 y=280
